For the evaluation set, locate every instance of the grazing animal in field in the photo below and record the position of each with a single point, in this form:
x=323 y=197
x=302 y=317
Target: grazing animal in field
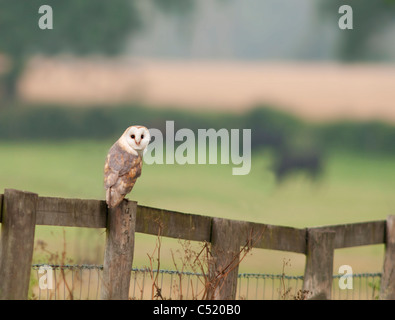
x=287 y=163
x=123 y=163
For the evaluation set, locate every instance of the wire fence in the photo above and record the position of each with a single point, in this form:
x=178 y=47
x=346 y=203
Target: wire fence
x=82 y=282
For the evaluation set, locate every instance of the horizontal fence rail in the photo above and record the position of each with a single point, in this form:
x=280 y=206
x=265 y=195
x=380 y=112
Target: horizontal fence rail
x=92 y=214
x=21 y=211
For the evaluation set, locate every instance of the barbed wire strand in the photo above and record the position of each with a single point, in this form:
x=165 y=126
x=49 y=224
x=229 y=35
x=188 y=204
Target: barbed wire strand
x=366 y=283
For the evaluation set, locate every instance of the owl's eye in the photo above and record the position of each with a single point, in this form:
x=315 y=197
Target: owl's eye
x=132 y=136
x=142 y=136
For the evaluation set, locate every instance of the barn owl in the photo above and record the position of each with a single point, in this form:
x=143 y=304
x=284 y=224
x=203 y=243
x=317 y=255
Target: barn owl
x=123 y=163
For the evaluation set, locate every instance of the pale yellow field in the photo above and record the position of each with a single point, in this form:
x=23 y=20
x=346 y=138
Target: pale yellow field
x=315 y=91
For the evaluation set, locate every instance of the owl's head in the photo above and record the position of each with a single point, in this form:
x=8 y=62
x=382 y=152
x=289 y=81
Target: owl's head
x=137 y=138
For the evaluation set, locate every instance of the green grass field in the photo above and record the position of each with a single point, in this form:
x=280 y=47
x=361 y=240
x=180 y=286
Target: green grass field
x=354 y=188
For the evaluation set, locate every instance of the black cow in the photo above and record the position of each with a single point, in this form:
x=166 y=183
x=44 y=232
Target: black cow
x=291 y=162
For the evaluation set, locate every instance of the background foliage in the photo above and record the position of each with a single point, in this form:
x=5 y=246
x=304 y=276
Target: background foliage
x=270 y=128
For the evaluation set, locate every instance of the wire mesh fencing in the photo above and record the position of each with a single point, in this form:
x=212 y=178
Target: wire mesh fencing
x=83 y=282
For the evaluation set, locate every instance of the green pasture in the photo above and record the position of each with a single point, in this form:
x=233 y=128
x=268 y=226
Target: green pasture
x=353 y=188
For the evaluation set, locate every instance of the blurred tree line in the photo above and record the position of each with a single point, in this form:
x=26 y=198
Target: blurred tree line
x=104 y=27
x=371 y=17
x=80 y=28
x=270 y=128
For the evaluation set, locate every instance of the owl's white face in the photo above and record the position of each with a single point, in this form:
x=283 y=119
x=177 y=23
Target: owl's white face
x=137 y=138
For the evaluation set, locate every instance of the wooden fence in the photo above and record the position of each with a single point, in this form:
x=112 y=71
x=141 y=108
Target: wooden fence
x=22 y=211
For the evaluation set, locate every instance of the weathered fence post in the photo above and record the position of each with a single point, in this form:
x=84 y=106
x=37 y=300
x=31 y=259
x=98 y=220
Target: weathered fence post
x=387 y=287
x=318 y=274
x=118 y=256
x=16 y=244
x=224 y=265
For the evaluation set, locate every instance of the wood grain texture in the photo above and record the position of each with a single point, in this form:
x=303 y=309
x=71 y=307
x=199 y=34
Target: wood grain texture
x=1 y=206
x=224 y=264
x=318 y=274
x=16 y=243
x=387 y=287
x=20 y=211
x=174 y=224
x=272 y=237
x=92 y=213
x=357 y=234
x=71 y=212
x=118 y=256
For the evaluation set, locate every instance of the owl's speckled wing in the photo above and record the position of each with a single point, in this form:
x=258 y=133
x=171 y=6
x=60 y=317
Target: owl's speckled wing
x=121 y=171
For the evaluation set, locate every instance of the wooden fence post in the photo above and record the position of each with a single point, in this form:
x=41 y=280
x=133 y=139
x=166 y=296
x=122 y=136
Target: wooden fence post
x=318 y=276
x=224 y=265
x=118 y=256
x=16 y=244
x=387 y=287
